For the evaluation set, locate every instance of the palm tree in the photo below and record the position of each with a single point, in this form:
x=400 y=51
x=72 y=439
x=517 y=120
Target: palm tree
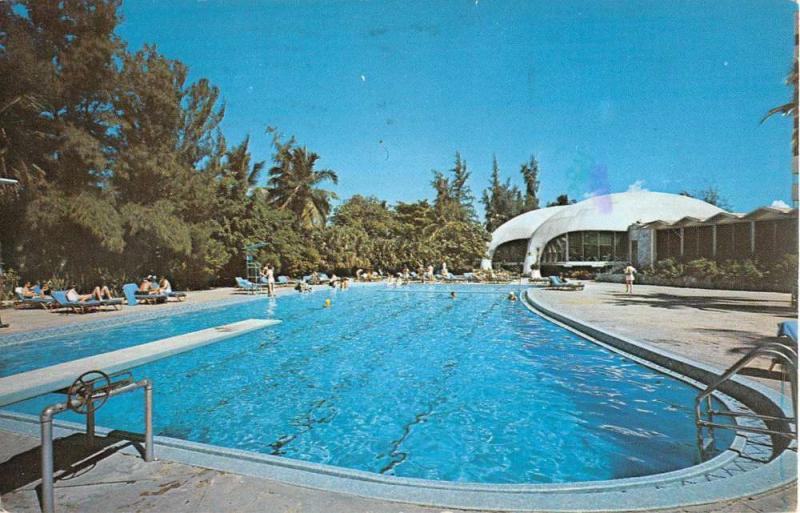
x=245 y=175
x=293 y=184
x=790 y=109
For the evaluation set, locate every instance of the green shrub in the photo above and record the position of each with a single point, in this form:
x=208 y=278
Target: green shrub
x=667 y=268
x=784 y=271
x=702 y=269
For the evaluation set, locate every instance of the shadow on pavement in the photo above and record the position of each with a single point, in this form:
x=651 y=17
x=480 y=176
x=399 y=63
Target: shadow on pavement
x=734 y=304
x=71 y=459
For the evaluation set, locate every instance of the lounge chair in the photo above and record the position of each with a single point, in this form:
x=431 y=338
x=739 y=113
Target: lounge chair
x=38 y=301
x=323 y=278
x=249 y=286
x=130 y=290
x=557 y=283
x=788 y=329
x=284 y=280
x=61 y=301
x=179 y=295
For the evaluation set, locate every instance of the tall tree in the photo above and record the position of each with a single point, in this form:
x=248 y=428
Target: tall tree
x=530 y=176
x=293 y=182
x=454 y=199
x=791 y=108
x=501 y=201
x=57 y=70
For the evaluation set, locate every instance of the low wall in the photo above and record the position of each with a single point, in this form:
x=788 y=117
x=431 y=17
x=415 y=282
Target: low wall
x=692 y=282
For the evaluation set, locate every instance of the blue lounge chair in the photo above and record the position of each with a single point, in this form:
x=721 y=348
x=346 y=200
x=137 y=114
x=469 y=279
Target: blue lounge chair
x=788 y=329
x=44 y=302
x=249 y=286
x=323 y=278
x=557 y=283
x=130 y=290
x=60 y=297
x=284 y=280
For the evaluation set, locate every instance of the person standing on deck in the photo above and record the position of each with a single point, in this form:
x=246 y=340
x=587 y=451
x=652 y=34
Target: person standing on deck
x=270 y=275
x=629 y=272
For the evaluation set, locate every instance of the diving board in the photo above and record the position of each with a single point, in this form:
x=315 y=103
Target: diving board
x=27 y=385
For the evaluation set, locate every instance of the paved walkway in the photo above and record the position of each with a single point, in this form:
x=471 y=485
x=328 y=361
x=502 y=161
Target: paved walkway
x=712 y=326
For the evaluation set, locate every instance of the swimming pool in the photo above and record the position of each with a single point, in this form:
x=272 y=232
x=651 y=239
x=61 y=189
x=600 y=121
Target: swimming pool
x=405 y=382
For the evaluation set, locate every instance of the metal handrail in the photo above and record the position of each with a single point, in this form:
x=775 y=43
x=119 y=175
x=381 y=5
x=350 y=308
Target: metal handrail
x=777 y=350
x=736 y=367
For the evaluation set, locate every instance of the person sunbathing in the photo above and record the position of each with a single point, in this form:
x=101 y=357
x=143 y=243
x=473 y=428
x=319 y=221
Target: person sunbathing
x=164 y=285
x=146 y=286
x=99 y=293
x=27 y=290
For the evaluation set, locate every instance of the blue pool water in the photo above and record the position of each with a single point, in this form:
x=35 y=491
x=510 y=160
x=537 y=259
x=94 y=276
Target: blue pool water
x=405 y=382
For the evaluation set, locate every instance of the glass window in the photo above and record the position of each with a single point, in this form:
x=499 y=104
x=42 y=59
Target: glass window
x=555 y=251
x=590 y=250
x=606 y=242
x=576 y=246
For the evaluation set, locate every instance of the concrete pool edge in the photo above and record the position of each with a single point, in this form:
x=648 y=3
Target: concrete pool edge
x=623 y=494
x=598 y=496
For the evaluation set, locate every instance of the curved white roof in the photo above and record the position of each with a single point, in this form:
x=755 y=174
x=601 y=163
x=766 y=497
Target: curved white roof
x=522 y=226
x=616 y=212
x=610 y=212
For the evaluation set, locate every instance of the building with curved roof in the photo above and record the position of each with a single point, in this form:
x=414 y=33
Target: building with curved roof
x=593 y=232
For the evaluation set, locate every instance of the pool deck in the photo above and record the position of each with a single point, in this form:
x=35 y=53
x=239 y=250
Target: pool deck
x=32 y=320
x=709 y=326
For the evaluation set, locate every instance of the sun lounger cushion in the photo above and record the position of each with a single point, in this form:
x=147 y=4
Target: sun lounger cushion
x=788 y=329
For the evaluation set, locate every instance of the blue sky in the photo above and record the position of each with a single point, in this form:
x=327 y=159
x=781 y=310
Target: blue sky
x=606 y=94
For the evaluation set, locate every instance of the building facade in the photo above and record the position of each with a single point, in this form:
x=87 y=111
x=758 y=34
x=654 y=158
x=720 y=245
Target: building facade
x=639 y=227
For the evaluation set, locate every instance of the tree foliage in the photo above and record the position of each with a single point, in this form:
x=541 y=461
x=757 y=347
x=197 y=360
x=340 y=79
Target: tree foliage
x=123 y=170
x=710 y=195
x=503 y=201
x=293 y=182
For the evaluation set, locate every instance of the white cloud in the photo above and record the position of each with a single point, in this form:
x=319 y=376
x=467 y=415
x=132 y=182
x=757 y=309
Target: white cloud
x=637 y=186
x=779 y=204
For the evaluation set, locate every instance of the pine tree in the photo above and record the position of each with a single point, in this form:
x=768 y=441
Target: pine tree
x=530 y=175
x=502 y=201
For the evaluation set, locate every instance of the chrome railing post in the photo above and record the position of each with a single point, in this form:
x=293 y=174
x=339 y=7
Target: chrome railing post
x=148 y=420
x=46 y=425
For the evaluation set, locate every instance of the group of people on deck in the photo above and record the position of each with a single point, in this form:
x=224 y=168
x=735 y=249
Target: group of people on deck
x=29 y=290
x=149 y=285
x=152 y=285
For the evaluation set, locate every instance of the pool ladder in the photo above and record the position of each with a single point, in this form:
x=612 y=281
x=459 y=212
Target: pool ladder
x=783 y=353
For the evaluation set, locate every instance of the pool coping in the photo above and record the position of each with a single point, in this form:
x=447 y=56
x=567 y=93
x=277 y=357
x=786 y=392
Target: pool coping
x=655 y=491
